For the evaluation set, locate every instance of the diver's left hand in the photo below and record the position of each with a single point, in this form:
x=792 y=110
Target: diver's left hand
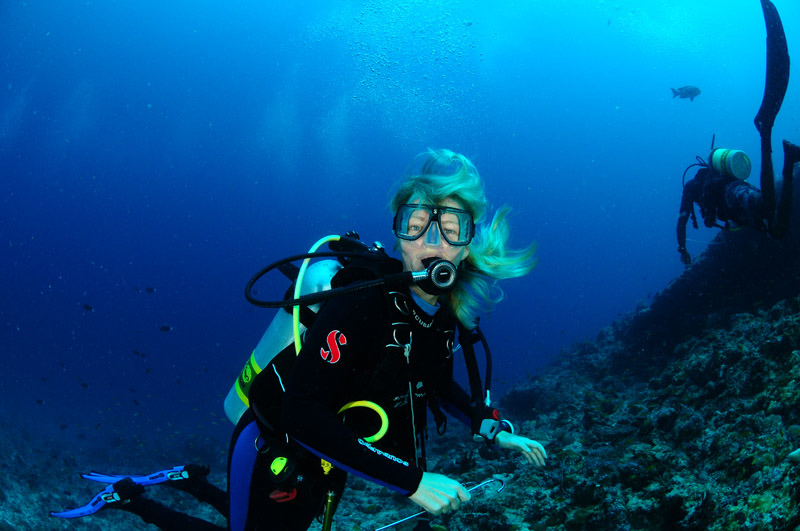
x=532 y=450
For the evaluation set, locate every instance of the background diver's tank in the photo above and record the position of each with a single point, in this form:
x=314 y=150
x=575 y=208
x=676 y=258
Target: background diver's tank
x=731 y=162
x=277 y=337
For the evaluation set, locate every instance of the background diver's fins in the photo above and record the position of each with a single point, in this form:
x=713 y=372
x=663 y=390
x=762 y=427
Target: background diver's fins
x=777 y=80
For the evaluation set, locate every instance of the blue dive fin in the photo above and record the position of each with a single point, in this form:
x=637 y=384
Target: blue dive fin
x=104 y=497
x=172 y=474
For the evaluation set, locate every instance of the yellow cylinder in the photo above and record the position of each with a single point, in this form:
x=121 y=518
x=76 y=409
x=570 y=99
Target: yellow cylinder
x=731 y=162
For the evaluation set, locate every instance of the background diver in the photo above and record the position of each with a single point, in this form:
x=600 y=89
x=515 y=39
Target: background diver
x=719 y=187
x=389 y=347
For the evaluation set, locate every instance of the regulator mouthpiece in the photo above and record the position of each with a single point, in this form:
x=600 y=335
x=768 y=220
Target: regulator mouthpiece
x=439 y=276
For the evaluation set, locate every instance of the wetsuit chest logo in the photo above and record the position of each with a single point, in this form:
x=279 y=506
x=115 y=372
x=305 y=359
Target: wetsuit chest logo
x=335 y=339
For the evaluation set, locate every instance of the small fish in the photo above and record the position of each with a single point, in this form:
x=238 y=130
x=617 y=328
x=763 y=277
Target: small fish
x=686 y=92
x=165 y=328
x=88 y=308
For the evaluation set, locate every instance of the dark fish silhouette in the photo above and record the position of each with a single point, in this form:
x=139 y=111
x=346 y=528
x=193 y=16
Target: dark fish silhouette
x=686 y=92
x=166 y=328
x=88 y=308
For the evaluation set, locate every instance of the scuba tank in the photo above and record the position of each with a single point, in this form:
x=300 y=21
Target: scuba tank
x=731 y=162
x=278 y=336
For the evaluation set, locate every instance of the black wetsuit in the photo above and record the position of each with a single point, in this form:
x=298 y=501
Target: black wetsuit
x=366 y=345
x=397 y=367
x=371 y=346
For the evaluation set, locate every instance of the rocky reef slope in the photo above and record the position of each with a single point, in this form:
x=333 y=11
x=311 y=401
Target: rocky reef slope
x=703 y=443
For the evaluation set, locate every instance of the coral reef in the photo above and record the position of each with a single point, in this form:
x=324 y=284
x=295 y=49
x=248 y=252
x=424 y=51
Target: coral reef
x=702 y=444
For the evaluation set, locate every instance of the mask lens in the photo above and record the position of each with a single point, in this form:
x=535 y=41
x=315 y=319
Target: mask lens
x=411 y=221
x=456 y=225
x=451 y=226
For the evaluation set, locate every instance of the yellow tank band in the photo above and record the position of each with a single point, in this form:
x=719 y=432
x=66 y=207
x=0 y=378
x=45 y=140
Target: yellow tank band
x=377 y=409
x=246 y=377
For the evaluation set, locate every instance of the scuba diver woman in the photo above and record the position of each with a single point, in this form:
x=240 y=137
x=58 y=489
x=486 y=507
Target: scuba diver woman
x=719 y=186
x=376 y=357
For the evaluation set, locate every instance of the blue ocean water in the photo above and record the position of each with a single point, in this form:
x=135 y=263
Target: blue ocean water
x=156 y=154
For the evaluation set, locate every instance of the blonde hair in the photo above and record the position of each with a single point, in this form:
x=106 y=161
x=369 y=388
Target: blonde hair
x=440 y=174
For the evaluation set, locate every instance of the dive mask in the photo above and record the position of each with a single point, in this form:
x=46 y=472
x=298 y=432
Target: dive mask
x=455 y=225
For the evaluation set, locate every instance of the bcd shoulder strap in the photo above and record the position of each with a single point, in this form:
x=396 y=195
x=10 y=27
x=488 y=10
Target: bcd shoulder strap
x=467 y=339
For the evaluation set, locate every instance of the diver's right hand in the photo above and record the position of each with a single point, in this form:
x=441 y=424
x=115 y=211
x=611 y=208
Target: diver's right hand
x=439 y=494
